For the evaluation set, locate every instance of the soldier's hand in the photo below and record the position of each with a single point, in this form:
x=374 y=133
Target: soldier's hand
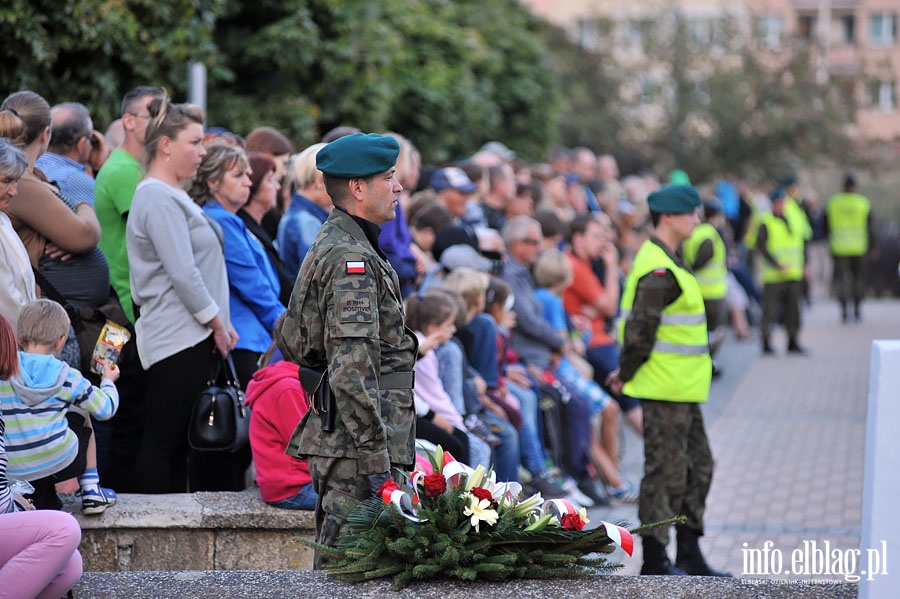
x=376 y=480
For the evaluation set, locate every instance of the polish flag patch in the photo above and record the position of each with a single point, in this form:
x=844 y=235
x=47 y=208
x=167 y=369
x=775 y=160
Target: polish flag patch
x=659 y=272
x=356 y=268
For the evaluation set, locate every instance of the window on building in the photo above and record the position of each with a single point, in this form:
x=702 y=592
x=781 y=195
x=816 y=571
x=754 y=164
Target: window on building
x=769 y=31
x=634 y=35
x=848 y=27
x=884 y=95
x=588 y=33
x=883 y=29
x=806 y=27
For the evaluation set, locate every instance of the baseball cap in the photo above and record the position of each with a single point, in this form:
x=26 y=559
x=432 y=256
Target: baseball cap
x=464 y=254
x=452 y=177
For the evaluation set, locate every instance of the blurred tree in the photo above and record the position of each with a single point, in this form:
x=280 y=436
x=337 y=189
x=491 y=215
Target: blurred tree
x=698 y=96
x=93 y=51
x=448 y=75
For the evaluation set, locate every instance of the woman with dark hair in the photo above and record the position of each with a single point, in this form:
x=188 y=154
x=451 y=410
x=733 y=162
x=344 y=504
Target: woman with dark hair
x=264 y=188
x=180 y=290
x=222 y=187
x=16 y=278
x=270 y=140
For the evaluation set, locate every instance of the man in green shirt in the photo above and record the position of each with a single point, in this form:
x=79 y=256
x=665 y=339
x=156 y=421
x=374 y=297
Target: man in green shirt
x=115 y=187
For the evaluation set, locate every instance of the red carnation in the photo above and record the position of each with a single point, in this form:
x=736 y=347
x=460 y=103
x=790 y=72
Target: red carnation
x=572 y=521
x=434 y=484
x=390 y=485
x=481 y=493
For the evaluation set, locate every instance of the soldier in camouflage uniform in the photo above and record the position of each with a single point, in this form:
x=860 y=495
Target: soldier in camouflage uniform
x=346 y=314
x=665 y=363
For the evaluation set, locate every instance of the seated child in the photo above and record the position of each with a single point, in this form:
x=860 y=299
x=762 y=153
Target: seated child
x=432 y=315
x=553 y=273
x=277 y=402
x=47 y=409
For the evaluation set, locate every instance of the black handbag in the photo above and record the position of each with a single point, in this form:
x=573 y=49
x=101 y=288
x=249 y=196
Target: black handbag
x=220 y=421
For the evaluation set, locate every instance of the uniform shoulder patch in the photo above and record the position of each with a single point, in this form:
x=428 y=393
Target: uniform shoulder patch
x=355 y=267
x=355 y=307
x=658 y=272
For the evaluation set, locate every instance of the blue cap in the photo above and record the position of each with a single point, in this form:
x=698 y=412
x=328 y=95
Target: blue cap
x=452 y=177
x=674 y=199
x=357 y=156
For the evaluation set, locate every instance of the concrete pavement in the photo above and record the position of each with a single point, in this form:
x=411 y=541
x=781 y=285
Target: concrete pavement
x=788 y=436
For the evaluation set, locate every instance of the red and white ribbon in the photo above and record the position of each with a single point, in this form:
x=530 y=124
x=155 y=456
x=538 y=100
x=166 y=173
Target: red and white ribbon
x=620 y=536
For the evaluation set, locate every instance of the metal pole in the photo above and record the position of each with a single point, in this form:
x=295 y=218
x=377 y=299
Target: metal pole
x=197 y=84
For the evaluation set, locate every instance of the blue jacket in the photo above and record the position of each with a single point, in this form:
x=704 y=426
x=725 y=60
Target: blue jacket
x=296 y=231
x=253 y=285
x=394 y=241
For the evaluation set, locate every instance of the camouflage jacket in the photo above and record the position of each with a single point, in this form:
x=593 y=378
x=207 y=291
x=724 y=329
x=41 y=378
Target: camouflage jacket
x=346 y=313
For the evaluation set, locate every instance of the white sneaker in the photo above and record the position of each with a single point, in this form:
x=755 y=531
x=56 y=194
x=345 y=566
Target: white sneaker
x=575 y=495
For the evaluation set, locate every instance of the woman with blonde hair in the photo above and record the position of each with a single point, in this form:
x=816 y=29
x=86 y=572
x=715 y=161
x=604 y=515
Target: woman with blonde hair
x=222 y=187
x=180 y=289
x=310 y=206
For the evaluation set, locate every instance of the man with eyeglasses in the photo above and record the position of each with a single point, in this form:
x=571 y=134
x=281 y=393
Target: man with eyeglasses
x=113 y=193
x=115 y=187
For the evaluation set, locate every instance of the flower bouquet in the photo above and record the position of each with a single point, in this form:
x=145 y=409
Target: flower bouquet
x=459 y=522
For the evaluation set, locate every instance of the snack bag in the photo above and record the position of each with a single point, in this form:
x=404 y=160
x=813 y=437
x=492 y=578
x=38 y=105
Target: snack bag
x=109 y=345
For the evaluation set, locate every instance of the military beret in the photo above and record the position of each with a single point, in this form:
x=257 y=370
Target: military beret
x=778 y=193
x=674 y=199
x=357 y=156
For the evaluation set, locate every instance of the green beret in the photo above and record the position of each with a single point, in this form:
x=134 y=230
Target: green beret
x=358 y=156
x=674 y=199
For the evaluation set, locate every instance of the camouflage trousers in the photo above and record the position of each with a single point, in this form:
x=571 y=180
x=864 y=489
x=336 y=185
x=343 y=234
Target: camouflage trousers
x=340 y=487
x=678 y=466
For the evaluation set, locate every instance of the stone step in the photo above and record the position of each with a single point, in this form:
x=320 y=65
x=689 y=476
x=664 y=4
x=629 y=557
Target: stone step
x=293 y=584
x=194 y=531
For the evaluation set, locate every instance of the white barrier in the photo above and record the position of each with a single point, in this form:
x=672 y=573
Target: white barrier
x=880 y=539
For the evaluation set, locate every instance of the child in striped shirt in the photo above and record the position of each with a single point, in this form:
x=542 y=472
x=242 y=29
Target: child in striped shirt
x=47 y=409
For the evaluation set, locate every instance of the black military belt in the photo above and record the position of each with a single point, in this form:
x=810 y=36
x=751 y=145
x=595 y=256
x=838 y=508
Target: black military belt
x=397 y=380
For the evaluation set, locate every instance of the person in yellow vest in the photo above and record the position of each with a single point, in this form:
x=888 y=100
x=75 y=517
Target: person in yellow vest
x=665 y=364
x=850 y=230
x=795 y=212
x=781 y=243
x=705 y=252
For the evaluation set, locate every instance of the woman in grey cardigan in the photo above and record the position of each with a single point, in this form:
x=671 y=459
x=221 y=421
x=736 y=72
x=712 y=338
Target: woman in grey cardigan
x=180 y=292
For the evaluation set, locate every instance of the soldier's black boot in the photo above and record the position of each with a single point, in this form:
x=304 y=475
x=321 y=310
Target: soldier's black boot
x=794 y=347
x=656 y=562
x=689 y=557
x=766 y=348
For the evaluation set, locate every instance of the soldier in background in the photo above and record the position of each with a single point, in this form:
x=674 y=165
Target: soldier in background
x=346 y=315
x=851 y=236
x=665 y=363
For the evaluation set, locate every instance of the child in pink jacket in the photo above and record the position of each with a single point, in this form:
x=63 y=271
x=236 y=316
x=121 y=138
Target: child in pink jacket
x=277 y=402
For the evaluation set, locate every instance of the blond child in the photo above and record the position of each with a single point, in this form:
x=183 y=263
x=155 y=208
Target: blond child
x=47 y=409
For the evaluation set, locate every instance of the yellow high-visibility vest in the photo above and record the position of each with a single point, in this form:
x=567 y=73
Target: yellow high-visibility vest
x=786 y=246
x=713 y=277
x=679 y=367
x=848 y=224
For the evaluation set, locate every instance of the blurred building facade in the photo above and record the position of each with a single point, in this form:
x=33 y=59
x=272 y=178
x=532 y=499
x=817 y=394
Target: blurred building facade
x=854 y=43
